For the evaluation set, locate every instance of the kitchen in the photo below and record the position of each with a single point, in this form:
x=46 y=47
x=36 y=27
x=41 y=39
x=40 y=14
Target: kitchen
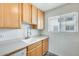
x=20 y=30
x=39 y=29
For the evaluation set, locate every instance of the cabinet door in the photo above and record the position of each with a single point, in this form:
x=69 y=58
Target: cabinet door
x=35 y=49
x=27 y=11
x=34 y=45
x=1 y=16
x=40 y=19
x=32 y=52
x=39 y=50
x=34 y=15
x=12 y=15
x=45 y=46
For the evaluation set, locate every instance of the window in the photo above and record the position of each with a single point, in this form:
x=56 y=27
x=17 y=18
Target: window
x=64 y=23
x=53 y=24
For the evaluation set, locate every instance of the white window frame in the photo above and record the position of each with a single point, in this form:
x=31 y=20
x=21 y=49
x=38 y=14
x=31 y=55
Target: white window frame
x=64 y=22
x=51 y=18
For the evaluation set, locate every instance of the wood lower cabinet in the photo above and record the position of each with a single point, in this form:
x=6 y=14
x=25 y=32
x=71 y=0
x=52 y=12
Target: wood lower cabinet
x=45 y=46
x=10 y=15
x=32 y=52
x=38 y=49
x=35 y=49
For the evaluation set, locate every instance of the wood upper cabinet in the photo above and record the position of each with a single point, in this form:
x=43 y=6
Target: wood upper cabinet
x=10 y=15
x=40 y=19
x=34 y=15
x=1 y=16
x=27 y=13
x=45 y=46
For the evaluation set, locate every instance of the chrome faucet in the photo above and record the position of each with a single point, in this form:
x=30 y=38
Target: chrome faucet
x=26 y=30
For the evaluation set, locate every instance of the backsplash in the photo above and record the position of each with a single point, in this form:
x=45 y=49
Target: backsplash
x=11 y=34
x=8 y=34
x=35 y=32
x=31 y=32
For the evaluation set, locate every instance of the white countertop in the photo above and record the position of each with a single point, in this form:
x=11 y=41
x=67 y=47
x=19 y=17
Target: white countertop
x=11 y=46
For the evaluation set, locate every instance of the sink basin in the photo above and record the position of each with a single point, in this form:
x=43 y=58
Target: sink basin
x=27 y=40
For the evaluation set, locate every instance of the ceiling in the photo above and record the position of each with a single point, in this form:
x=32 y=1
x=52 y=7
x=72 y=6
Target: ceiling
x=47 y=6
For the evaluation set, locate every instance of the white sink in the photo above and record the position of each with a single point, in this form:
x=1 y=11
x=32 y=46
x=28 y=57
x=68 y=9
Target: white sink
x=27 y=40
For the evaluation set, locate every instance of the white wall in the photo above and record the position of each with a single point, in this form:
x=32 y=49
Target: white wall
x=14 y=34
x=11 y=34
x=66 y=44
x=35 y=32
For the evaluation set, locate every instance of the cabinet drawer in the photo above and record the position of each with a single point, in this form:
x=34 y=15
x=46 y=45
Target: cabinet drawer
x=34 y=48
x=37 y=51
x=30 y=47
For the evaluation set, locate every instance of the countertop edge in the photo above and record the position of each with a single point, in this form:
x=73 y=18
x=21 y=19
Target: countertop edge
x=9 y=53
